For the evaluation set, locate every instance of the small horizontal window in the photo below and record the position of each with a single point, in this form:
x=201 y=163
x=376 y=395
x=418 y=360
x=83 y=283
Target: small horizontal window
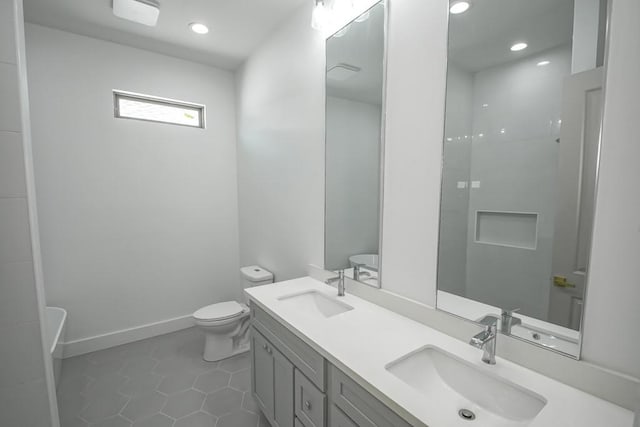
x=142 y=107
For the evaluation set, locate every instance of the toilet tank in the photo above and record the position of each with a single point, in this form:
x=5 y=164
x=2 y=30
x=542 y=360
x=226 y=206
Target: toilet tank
x=254 y=275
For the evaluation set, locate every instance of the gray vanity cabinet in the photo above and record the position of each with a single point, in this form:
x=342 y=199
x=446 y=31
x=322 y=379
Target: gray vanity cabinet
x=337 y=418
x=358 y=405
x=272 y=381
x=294 y=385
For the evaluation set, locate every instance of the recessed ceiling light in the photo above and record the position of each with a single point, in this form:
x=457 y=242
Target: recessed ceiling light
x=543 y=63
x=199 y=28
x=518 y=46
x=459 y=7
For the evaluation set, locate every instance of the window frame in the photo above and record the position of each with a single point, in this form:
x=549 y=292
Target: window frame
x=150 y=99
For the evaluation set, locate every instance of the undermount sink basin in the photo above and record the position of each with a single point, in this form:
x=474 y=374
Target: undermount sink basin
x=315 y=303
x=458 y=385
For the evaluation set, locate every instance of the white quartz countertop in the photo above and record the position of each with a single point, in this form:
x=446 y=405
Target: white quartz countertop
x=364 y=340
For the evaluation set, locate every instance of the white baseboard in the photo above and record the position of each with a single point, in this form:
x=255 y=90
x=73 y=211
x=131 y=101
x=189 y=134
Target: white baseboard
x=125 y=336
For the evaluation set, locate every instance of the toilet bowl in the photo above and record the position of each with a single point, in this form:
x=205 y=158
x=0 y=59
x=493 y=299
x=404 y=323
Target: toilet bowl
x=226 y=324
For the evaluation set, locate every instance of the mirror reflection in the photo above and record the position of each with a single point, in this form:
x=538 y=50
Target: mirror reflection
x=523 y=113
x=354 y=103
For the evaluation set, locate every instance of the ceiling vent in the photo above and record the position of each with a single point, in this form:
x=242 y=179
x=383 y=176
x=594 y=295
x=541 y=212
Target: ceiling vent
x=342 y=72
x=143 y=12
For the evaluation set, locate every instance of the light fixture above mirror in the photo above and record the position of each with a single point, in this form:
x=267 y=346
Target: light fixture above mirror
x=329 y=16
x=319 y=16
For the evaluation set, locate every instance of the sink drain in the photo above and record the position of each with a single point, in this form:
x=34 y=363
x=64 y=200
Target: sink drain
x=466 y=414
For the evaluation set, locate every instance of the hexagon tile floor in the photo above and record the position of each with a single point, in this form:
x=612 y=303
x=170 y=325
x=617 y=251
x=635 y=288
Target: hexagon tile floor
x=158 y=382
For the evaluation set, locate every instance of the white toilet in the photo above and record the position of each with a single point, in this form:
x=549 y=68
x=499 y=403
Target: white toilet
x=226 y=324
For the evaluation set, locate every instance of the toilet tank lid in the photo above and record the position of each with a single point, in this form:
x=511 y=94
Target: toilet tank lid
x=255 y=273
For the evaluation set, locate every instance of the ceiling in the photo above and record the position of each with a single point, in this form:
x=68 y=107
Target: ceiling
x=482 y=36
x=237 y=27
x=362 y=46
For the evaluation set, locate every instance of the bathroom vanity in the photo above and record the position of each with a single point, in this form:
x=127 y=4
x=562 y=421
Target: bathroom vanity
x=295 y=385
x=319 y=360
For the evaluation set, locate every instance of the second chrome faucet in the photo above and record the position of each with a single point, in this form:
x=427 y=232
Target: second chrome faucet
x=340 y=280
x=486 y=340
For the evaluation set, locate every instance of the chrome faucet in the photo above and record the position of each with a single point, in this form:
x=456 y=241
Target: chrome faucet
x=340 y=279
x=508 y=321
x=357 y=272
x=486 y=340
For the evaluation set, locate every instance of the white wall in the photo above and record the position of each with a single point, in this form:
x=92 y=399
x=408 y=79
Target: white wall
x=352 y=181
x=25 y=370
x=416 y=75
x=280 y=93
x=611 y=334
x=138 y=219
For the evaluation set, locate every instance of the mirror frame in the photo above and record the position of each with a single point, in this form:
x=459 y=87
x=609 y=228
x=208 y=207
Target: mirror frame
x=605 y=61
x=383 y=115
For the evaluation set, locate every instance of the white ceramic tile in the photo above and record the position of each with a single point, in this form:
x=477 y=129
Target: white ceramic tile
x=25 y=405
x=12 y=174
x=18 y=290
x=9 y=98
x=15 y=240
x=7 y=32
x=21 y=353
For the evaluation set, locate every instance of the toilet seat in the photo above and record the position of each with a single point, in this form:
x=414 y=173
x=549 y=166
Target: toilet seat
x=220 y=311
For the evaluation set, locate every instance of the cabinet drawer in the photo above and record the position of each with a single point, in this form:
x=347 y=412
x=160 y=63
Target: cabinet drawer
x=310 y=403
x=358 y=404
x=337 y=418
x=306 y=359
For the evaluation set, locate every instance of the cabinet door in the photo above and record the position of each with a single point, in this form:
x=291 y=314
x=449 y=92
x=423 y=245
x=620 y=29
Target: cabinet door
x=282 y=390
x=337 y=418
x=272 y=381
x=262 y=374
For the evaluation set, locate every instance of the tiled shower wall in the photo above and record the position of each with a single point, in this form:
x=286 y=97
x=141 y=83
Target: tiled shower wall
x=24 y=400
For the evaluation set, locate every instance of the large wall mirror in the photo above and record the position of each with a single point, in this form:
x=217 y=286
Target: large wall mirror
x=522 y=133
x=354 y=132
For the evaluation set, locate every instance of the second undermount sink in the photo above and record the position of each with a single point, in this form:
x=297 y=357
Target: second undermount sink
x=465 y=392
x=315 y=303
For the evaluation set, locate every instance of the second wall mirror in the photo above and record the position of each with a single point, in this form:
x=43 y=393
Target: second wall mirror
x=354 y=135
x=522 y=134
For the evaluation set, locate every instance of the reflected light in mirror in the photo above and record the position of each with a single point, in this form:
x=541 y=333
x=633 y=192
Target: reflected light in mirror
x=459 y=7
x=543 y=63
x=342 y=32
x=363 y=17
x=518 y=47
